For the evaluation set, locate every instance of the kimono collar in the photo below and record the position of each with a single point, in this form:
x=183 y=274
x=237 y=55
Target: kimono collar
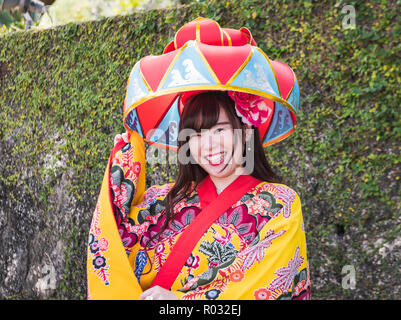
x=207 y=190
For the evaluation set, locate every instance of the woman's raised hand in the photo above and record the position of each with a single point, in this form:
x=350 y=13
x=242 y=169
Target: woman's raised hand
x=124 y=136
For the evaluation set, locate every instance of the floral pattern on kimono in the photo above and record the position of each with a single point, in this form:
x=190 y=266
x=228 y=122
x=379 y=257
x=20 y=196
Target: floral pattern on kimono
x=254 y=250
x=97 y=245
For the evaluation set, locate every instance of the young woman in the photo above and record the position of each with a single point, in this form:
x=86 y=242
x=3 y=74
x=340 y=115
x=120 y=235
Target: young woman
x=226 y=229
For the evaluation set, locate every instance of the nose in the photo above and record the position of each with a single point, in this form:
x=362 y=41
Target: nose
x=211 y=142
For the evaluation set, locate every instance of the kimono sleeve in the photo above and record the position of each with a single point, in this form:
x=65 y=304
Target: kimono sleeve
x=280 y=266
x=109 y=273
x=127 y=177
x=134 y=209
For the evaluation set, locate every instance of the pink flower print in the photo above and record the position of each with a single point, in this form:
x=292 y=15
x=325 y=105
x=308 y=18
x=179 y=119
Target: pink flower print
x=94 y=247
x=192 y=261
x=160 y=248
x=237 y=276
x=96 y=231
x=286 y=274
x=257 y=251
x=133 y=172
x=300 y=286
x=154 y=192
x=288 y=196
x=223 y=239
x=259 y=206
x=103 y=244
x=128 y=239
x=262 y=294
x=250 y=108
x=137 y=168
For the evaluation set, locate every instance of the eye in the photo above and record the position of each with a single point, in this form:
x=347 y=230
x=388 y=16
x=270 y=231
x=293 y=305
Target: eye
x=219 y=130
x=195 y=135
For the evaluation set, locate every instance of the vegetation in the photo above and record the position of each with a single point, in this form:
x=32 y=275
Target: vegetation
x=62 y=93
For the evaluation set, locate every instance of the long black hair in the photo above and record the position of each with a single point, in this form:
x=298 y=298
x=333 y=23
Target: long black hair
x=202 y=112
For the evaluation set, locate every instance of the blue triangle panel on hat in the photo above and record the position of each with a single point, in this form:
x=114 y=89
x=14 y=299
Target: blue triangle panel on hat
x=188 y=70
x=293 y=98
x=136 y=88
x=167 y=131
x=257 y=75
x=280 y=124
x=133 y=122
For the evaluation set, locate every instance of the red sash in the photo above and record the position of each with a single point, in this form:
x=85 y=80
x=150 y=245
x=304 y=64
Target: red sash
x=212 y=210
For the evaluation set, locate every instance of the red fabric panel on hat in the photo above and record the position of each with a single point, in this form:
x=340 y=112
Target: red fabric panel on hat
x=265 y=126
x=153 y=68
x=226 y=40
x=187 y=32
x=248 y=35
x=237 y=37
x=225 y=61
x=285 y=77
x=294 y=118
x=152 y=112
x=187 y=95
x=210 y=33
x=169 y=47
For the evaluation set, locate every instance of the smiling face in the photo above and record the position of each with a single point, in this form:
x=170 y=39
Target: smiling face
x=211 y=141
x=218 y=150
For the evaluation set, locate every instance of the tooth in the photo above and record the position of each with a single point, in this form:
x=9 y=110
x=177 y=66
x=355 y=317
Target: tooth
x=216 y=157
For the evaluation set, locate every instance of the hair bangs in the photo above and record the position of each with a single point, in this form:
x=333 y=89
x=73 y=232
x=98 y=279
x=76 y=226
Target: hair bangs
x=201 y=112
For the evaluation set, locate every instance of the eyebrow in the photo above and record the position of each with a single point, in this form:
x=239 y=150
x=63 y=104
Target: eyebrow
x=218 y=123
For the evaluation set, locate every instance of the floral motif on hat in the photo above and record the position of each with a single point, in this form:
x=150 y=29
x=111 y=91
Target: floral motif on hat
x=250 y=108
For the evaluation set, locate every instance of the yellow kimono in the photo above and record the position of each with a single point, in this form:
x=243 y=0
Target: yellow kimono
x=254 y=250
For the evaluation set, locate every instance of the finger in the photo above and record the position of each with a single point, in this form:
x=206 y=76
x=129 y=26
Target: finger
x=125 y=137
x=150 y=292
x=117 y=138
x=158 y=293
x=154 y=297
x=144 y=295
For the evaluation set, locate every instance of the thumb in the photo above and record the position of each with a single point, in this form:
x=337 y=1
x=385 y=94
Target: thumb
x=117 y=139
x=125 y=137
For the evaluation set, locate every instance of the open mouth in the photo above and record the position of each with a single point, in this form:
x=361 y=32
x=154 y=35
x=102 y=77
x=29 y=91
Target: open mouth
x=215 y=159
